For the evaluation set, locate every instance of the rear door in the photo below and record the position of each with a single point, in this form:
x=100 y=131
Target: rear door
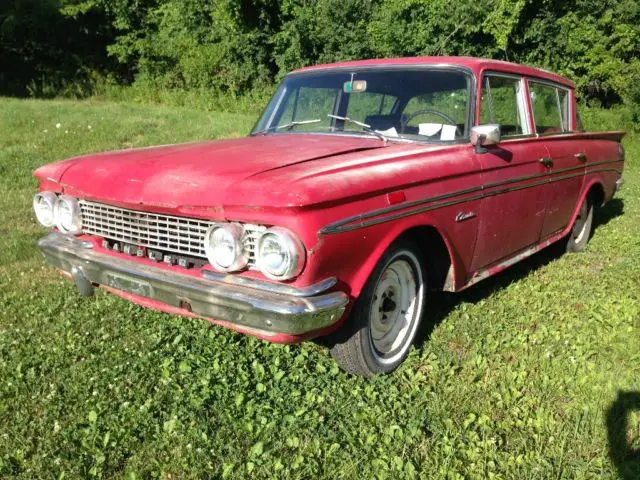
x=513 y=176
x=551 y=109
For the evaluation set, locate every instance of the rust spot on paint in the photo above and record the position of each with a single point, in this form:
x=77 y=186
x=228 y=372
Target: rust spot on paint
x=317 y=246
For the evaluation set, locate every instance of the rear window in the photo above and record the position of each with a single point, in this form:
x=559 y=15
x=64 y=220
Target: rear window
x=579 y=124
x=550 y=107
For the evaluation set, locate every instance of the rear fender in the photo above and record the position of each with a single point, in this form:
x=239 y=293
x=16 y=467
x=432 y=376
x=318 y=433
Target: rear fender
x=589 y=185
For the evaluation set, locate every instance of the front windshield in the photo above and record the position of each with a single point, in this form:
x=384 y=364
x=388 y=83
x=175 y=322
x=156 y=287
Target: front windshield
x=397 y=103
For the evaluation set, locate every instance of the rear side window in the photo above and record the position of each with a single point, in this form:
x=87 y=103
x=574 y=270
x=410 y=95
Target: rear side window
x=550 y=107
x=565 y=102
x=503 y=103
x=579 y=125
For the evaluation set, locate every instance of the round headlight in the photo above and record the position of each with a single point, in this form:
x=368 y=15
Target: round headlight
x=44 y=204
x=223 y=246
x=280 y=254
x=67 y=214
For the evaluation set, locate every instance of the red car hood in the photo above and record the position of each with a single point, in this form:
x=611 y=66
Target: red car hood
x=191 y=174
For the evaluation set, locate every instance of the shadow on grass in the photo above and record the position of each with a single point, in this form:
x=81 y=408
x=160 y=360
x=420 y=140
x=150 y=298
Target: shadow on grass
x=441 y=303
x=624 y=456
x=610 y=210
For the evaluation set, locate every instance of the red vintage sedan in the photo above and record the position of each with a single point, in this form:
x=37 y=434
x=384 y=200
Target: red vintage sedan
x=363 y=186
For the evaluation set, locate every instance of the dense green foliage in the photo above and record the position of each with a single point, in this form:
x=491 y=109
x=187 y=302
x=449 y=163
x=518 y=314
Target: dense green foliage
x=534 y=373
x=233 y=47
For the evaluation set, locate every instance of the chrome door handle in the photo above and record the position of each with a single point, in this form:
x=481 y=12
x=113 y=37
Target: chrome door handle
x=546 y=161
x=581 y=157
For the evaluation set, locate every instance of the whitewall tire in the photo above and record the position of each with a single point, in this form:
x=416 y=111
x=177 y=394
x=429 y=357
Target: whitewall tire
x=387 y=314
x=581 y=231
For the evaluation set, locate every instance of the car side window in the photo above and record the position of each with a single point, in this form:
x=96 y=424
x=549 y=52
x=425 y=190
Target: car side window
x=503 y=103
x=565 y=108
x=550 y=106
x=579 y=125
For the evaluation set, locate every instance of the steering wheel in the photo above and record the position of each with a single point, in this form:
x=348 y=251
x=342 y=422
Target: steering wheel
x=450 y=121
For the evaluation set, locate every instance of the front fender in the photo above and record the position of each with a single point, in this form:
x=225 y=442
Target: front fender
x=352 y=255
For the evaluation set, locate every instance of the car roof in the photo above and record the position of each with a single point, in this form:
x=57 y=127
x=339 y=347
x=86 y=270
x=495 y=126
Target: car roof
x=476 y=65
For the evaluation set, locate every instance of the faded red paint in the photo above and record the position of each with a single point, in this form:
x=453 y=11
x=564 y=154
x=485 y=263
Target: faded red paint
x=306 y=182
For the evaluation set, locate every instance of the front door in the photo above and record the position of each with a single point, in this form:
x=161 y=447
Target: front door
x=513 y=175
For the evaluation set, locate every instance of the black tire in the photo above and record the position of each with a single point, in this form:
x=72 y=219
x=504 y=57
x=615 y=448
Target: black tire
x=359 y=346
x=581 y=231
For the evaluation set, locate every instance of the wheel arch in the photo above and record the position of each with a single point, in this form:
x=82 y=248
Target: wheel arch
x=593 y=189
x=434 y=245
x=596 y=192
x=437 y=252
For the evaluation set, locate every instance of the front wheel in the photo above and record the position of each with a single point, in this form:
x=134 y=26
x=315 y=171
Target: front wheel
x=581 y=231
x=386 y=316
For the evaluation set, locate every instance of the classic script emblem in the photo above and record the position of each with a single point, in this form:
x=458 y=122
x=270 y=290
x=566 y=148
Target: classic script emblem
x=462 y=216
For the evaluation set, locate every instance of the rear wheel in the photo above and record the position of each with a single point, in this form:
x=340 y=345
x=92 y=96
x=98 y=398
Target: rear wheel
x=581 y=231
x=386 y=316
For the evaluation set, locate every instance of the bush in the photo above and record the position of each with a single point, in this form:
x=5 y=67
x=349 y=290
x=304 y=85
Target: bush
x=231 y=48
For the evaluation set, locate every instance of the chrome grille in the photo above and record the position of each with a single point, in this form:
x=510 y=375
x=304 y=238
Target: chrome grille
x=179 y=235
x=250 y=241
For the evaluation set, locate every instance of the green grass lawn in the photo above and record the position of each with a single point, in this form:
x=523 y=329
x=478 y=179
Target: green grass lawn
x=534 y=373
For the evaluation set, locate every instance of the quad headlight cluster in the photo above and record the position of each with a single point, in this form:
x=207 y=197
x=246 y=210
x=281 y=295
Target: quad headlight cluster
x=279 y=253
x=58 y=211
x=224 y=248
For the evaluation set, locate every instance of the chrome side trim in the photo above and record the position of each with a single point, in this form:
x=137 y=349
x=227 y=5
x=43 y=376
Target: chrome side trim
x=342 y=225
x=252 y=309
x=355 y=222
x=593 y=164
x=307 y=291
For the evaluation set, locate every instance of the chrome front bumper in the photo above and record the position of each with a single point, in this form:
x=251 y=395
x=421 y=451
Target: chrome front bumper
x=252 y=304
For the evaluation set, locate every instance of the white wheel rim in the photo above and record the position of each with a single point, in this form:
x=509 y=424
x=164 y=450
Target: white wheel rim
x=584 y=212
x=396 y=308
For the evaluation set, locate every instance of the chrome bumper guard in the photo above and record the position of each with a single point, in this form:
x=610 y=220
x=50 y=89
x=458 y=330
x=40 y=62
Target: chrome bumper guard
x=253 y=304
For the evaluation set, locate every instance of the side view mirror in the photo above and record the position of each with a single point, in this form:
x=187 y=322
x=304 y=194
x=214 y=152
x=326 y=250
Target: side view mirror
x=485 y=135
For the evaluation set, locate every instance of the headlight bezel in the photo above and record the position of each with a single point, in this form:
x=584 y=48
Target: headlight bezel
x=76 y=215
x=50 y=199
x=296 y=253
x=241 y=258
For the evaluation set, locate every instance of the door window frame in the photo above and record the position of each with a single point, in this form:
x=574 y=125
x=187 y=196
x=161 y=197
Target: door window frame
x=570 y=113
x=522 y=99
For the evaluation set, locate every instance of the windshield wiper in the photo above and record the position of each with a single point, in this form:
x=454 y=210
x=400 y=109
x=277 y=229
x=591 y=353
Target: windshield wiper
x=365 y=127
x=288 y=126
